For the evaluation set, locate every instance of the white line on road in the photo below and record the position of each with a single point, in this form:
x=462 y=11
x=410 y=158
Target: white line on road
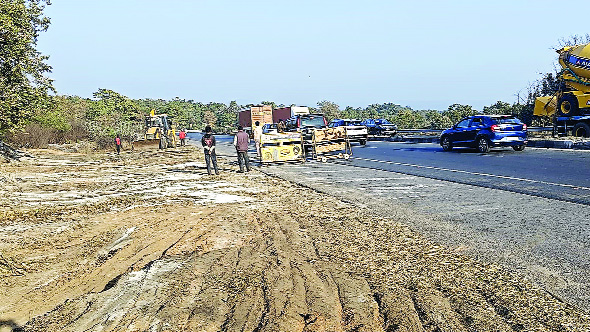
x=472 y=173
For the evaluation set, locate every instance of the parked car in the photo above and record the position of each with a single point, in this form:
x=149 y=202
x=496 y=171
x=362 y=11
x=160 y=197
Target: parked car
x=305 y=124
x=270 y=128
x=485 y=131
x=355 y=131
x=380 y=127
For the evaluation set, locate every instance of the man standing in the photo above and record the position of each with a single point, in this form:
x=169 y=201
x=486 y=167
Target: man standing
x=118 y=143
x=257 y=131
x=208 y=142
x=241 y=141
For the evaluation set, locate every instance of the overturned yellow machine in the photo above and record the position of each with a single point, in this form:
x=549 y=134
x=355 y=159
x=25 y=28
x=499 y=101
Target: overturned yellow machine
x=326 y=143
x=281 y=147
x=330 y=143
x=574 y=100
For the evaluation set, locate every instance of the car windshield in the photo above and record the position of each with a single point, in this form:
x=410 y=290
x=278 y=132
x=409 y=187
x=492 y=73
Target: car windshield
x=312 y=121
x=506 y=120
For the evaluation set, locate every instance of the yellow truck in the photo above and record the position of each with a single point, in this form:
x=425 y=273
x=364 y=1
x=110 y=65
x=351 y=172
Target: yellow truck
x=570 y=106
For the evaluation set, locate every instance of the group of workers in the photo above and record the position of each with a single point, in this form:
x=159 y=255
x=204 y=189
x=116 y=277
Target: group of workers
x=241 y=143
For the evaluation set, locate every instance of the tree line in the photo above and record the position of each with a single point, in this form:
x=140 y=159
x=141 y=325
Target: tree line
x=66 y=119
x=32 y=115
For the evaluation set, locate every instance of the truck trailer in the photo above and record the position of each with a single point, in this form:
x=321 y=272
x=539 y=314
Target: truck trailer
x=284 y=113
x=260 y=113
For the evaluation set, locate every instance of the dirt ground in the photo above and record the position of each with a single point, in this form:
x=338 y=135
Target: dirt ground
x=148 y=242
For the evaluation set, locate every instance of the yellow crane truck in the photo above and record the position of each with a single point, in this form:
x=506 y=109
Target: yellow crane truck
x=570 y=107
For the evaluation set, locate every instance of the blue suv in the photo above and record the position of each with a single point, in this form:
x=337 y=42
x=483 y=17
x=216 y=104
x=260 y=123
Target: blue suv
x=485 y=131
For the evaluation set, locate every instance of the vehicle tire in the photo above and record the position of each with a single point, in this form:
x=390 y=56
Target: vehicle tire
x=581 y=129
x=483 y=145
x=518 y=147
x=446 y=144
x=363 y=142
x=568 y=105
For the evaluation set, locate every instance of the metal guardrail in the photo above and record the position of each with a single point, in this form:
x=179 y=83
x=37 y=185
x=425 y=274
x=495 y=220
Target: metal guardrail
x=540 y=129
x=418 y=131
x=438 y=131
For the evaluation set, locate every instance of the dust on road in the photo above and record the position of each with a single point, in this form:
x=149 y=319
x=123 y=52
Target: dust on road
x=149 y=242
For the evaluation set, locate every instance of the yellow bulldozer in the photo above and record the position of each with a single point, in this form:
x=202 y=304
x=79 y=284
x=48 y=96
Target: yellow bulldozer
x=159 y=130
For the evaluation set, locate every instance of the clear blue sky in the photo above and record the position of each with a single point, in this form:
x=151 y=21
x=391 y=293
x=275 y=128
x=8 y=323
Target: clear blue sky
x=423 y=54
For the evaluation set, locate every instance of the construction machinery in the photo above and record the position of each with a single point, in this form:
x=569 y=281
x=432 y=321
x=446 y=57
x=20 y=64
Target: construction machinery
x=570 y=105
x=281 y=147
x=329 y=143
x=159 y=130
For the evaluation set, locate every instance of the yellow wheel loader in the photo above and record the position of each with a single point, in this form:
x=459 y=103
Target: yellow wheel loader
x=159 y=131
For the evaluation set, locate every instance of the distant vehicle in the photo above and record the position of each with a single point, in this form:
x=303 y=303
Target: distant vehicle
x=485 y=131
x=380 y=127
x=355 y=131
x=270 y=128
x=305 y=123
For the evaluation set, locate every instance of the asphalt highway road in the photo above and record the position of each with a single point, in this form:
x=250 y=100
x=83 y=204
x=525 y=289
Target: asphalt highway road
x=555 y=174
x=527 y=211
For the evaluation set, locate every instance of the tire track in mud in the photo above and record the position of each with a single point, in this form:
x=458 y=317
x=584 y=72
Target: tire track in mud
x=276 y=289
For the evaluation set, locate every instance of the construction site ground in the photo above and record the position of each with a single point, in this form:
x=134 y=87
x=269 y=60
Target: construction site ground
x=147 y=241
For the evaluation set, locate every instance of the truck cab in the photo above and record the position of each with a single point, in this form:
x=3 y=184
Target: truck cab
x=305 y=124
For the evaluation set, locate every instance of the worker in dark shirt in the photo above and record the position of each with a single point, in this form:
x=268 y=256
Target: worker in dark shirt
x=241 y=141
x=208 y=142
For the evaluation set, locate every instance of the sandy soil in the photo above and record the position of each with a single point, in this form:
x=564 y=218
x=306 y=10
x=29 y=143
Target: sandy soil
x=148 y=242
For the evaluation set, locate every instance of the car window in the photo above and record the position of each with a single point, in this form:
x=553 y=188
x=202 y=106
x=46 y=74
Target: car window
x=506 y=120
x=463 y=123
x=476 y=122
